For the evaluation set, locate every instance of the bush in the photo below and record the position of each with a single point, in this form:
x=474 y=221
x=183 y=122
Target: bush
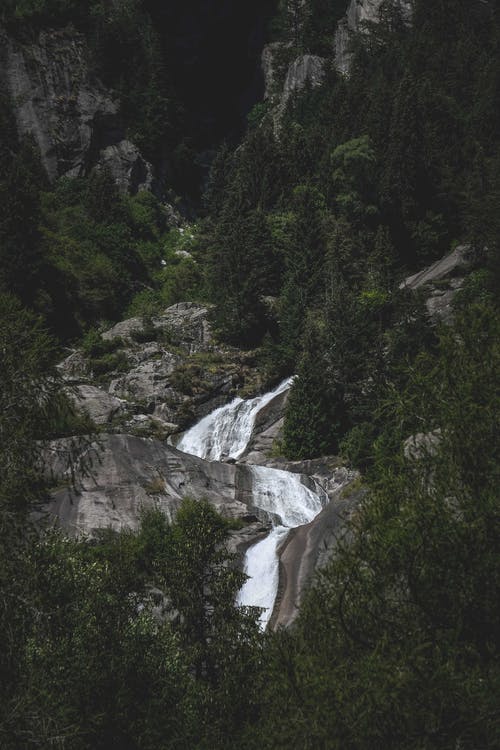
x=94 y=346
x=356 y=447
x=114 y=362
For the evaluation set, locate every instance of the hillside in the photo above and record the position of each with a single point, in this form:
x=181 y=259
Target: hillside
x=249 y=363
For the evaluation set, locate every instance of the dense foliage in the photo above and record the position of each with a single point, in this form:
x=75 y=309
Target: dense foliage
x=78 y=251
x=131 y=639
x=369 y=177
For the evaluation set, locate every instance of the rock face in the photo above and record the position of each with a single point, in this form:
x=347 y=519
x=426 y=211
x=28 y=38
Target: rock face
x=307 y=69
x=311 y=68
x=130 y=171
x=268 y=65
x=308 y=548
x=71 y=115
x=56 y=100
x=304 y=70
x=360 y=13
x=119 y=476
x=441 y=282
x=126 y=474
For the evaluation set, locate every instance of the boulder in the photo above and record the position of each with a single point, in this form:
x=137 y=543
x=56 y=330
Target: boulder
x=99 y=405
x=441 y=282
x=186 y=322
x=453 y=263
x=148 y=381
x=422 y=445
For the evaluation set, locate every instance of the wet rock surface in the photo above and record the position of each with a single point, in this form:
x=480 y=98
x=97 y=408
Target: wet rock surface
x=308 y=548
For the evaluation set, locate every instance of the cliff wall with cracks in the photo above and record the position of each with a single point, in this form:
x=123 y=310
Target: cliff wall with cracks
x=72 y=116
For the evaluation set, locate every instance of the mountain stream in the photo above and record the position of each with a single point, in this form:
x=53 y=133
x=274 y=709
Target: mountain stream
x=225 y=433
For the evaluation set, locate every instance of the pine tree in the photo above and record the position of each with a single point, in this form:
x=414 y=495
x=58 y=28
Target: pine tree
x=316 y=415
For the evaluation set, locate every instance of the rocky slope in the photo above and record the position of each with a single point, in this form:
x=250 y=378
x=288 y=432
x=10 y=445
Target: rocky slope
x=161 y=375
x=173 y=374
x=128 y=466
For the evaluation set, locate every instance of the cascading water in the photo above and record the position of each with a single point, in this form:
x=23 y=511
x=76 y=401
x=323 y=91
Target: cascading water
x=284 y=496
x=262 y=568
x=225 y=433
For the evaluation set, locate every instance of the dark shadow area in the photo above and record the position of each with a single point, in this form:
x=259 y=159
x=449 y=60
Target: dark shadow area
x=212 y=49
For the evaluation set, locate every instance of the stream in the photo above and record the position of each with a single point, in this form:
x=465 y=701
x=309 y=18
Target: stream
x=225 y=433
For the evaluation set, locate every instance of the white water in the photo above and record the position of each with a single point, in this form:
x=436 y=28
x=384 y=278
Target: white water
x=225 y=432
x=262 y=568
x=284 y=496
x=282 y=493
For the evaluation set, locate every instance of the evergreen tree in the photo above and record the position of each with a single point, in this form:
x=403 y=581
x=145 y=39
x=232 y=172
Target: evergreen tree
x=240 y=261
x=304 y=259
x=316 y=414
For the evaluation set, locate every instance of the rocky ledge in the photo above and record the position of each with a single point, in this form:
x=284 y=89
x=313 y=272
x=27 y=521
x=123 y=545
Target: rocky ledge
x=156 y=377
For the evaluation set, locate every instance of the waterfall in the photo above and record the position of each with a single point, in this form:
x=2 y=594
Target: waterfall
x=284 y=496
x=262 y=568
x=225 y=433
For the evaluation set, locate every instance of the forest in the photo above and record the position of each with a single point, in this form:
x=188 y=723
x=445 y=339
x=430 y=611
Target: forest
x=300 y=237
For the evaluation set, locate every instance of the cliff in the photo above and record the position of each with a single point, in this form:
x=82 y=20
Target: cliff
x=359 y=14
x=310 y=69
x=72 y=116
